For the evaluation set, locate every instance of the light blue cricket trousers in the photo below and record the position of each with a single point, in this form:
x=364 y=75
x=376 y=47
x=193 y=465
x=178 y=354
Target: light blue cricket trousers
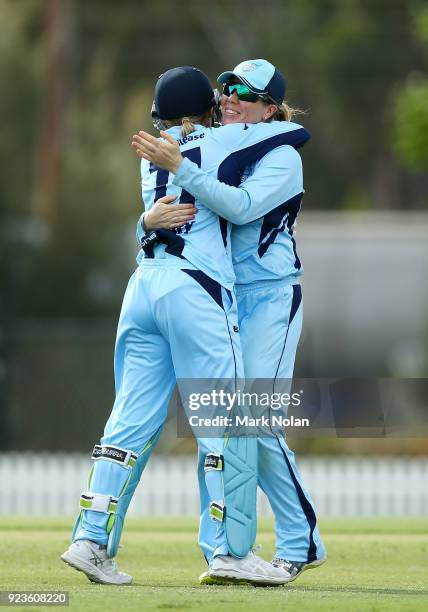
x=270 y=321
x=173 y=324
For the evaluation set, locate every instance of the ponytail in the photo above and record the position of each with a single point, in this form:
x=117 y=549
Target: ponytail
x=187 y=126
x=284 y=112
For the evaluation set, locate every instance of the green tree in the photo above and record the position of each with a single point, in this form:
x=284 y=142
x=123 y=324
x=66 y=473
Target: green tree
x=411 y=109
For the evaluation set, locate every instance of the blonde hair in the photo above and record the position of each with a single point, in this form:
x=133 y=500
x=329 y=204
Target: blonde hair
x=188 y=123
x=284 y=112
x=187 y=126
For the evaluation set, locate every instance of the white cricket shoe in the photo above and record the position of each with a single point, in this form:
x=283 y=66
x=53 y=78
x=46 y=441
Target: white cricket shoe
x=91 y=559
x=295 y=568
x=251 y=569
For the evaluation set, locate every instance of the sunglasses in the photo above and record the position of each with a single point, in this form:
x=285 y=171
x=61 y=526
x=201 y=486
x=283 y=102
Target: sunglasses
x=242 y=91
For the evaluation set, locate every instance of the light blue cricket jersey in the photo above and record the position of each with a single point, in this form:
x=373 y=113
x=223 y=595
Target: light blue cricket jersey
x=265 y=248
x=220 y=153
x=263 y=209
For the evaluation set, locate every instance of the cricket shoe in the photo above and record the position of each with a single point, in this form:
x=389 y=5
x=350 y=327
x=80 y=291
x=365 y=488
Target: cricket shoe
x=295 y=568
x=250 y=570
x=205 y=578
x=91 y=559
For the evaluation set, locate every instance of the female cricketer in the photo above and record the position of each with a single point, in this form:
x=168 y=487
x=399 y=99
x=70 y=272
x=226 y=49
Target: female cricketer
x=267 y=268
x=179 y=321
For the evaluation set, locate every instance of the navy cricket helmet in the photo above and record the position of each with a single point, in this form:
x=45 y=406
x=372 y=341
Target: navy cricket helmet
x=182 y=92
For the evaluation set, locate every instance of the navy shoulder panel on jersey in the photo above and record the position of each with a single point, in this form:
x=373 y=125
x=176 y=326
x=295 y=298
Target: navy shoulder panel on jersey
x=230 y=169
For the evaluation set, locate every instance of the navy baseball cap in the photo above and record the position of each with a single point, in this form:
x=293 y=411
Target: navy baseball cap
x=260 y=76
x=182 y=92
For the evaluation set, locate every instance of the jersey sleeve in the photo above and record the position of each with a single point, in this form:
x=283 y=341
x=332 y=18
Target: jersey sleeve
x=146 y=186
x=277 y=178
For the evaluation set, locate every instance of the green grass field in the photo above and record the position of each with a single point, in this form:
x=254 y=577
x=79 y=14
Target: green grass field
x=377 y=564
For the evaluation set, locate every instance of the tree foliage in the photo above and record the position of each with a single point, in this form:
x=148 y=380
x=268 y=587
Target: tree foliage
x=411 y=109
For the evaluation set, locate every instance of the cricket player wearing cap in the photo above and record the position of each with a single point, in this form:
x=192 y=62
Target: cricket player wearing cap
x=179 y=321
x=264 y=210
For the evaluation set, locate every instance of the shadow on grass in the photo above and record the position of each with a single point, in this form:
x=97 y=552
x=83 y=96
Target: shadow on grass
x=360 y=590
x=340 y=590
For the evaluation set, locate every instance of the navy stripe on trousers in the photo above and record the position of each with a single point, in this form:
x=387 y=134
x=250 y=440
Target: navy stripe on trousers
x=295 y=303
x=304 y=502
x=306 y=507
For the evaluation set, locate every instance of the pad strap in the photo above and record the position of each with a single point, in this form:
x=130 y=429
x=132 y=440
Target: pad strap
x=98 y=502
x=213 y=462
x=123 y=457
x=217 y=511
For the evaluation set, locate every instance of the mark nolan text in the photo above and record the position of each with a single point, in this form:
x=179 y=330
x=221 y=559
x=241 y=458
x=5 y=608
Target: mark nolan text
x=247 y=421
x=274 y=420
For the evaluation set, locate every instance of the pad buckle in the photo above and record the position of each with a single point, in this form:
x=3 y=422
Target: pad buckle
x=217 y=511
x=97 y=502
x=123 y=457
x=213 y=462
